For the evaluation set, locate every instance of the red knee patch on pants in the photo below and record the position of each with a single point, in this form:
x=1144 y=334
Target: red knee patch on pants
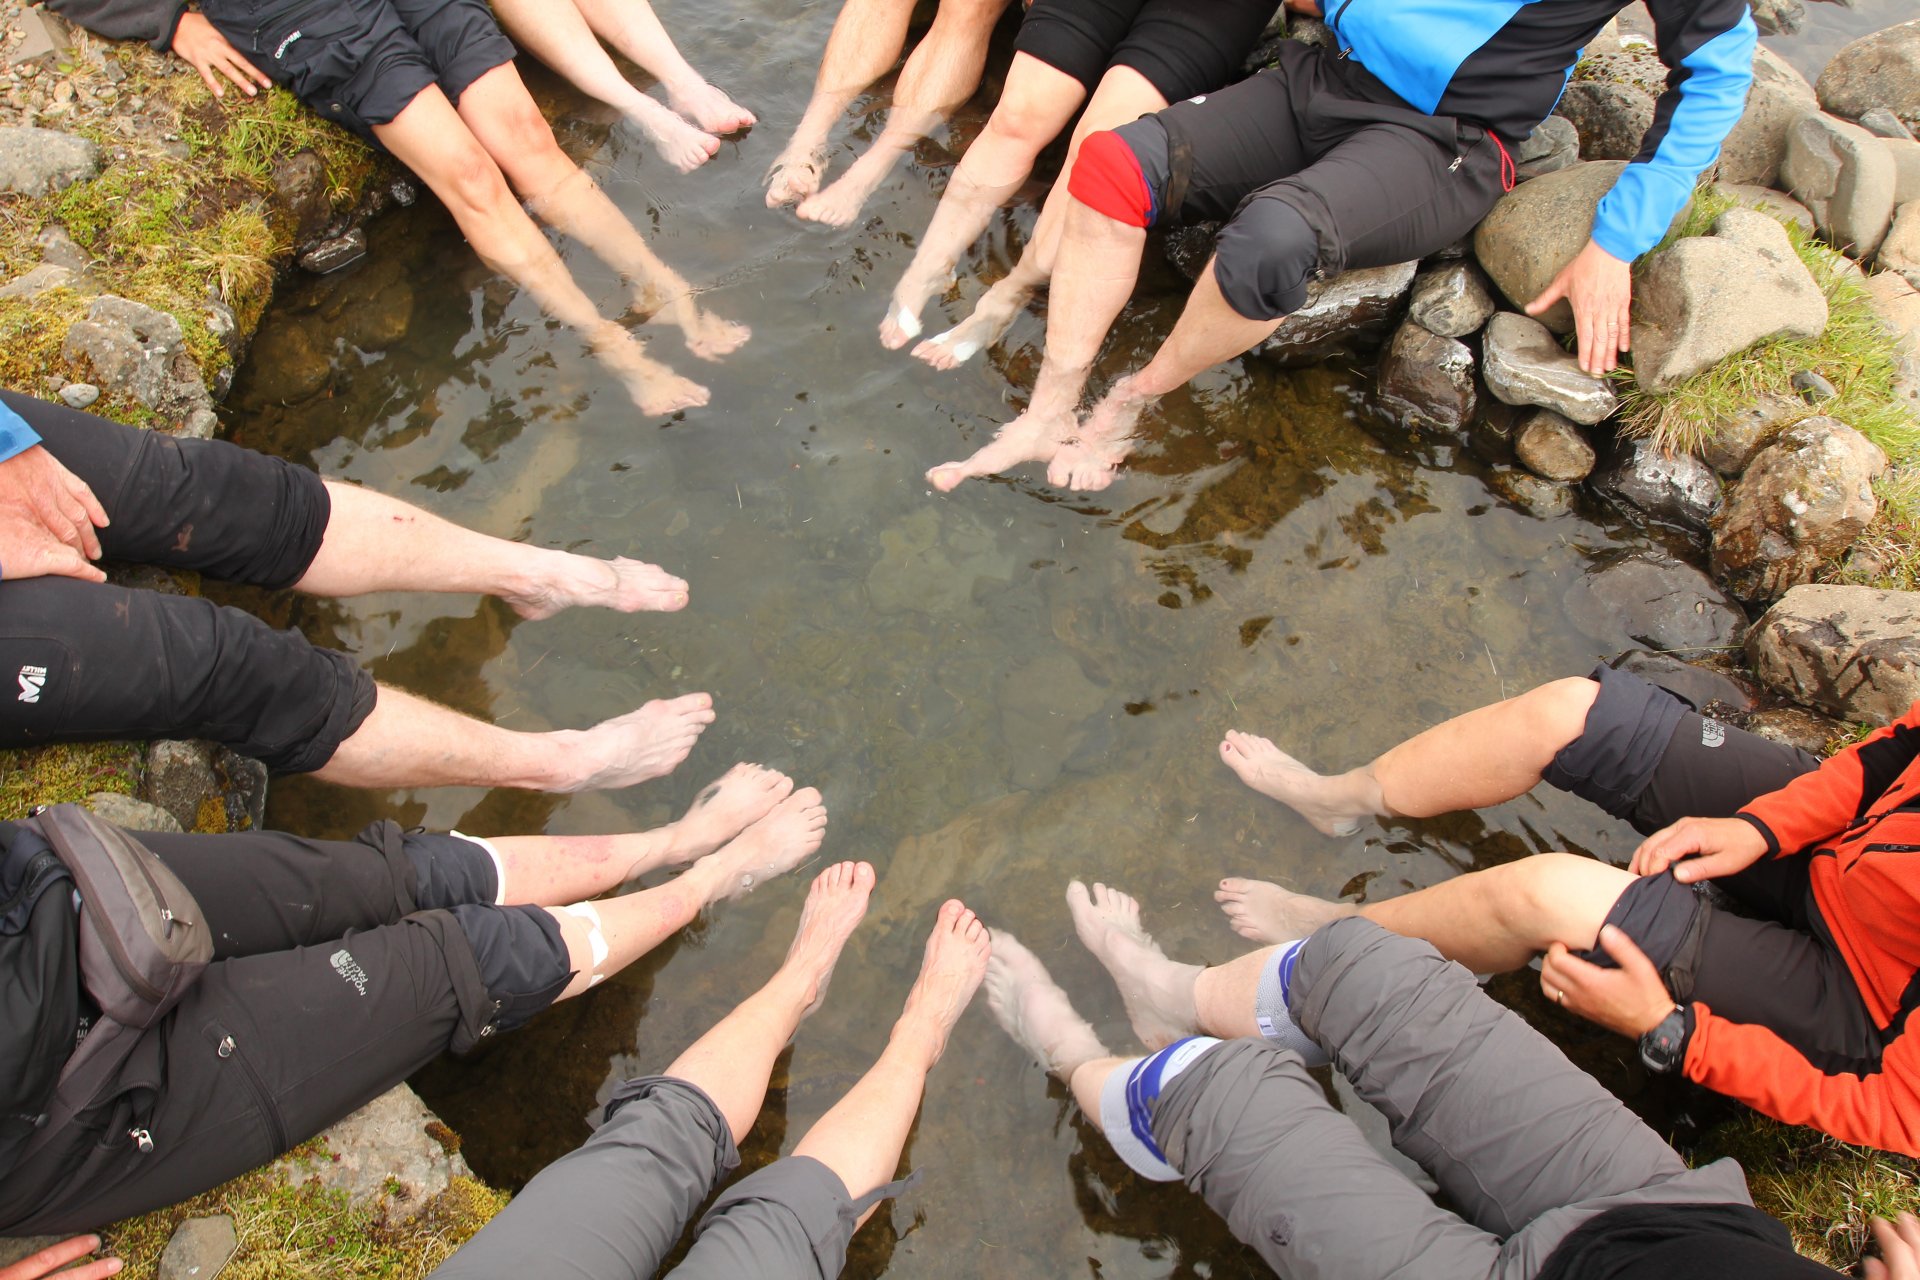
x=1107 y=178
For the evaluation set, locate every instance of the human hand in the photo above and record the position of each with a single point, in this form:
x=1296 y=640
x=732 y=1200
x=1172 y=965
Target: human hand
x=1899 y=1241
x=200 y=43
x=1631 y=999
x=52 y=1258
x=1711 y=847
x=1599 y=287
x=34 y=483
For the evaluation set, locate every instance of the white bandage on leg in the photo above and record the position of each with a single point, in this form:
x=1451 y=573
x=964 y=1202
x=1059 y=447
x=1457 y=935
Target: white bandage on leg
x=499 y=865
x=596 y=940
x=1126 y=1105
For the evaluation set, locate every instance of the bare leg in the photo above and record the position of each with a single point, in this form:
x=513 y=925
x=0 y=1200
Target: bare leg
x=558 y=33
x=553 y=870
x=1157 y=992
x=631 y=27
x=377 y=543
x=1123 y=94
x=1038 y=102
x=1487 y=756
x=410 y=742
x=732 y=1063
x=941 y=73
x=867 y=38
x=1207 y=333
x=634 y=924
x=430 y=138
x=1099 y=263
x=862 y=1136
x=504 y=118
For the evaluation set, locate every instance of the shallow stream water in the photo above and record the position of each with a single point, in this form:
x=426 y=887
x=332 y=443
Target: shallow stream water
x=997 y=689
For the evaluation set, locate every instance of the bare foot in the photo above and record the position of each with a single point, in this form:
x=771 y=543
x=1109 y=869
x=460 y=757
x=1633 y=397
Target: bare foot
x=840 y=203
x=724 y=808
x=795 y=173
x=1335 y=804
x=1264 y=912
x=655 y=389
x=777 y=843
x=902 y=324
x=679 y=143
x=1091 y=460
x=710 y=337
x=835 y=904
x=644 y=744
x=1031 y=1007
x=992 y=316
x=664 y=393
x=1157 y=992
x=628 y=586
x=955 y=962
x=709 y=108
x=1030 y=437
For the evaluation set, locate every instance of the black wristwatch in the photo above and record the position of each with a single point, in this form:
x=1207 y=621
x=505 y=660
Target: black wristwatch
x=1664 y=1047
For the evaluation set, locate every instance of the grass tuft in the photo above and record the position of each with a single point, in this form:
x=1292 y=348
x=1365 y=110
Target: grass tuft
x=67 y=774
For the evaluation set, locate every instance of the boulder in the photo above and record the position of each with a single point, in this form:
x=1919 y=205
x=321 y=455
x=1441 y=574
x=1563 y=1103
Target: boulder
x=299 y=184
x=45 y=38
x=136 y=349
x=1524 y=364
x=182 y=781
x=1706 y=297
x=1851 y=651
x=198 y=1249
x=1844 y=175
x=1189 y=247
x=1610 y=118
x=1802 y=502
x=1674 y=489
x=1452 y=300
x=1880 y=70
x=1757 y=143
x=1553 y=448
x=1778 y=17
x=1653 y=599
x=1553 y=145
x=1426 y=379
x=288 y=365
x=1906 y=169
x=34 y=162
x=1770 y=68
x=1533 y=494
x=1536 y=229
x=1900 y=251
x=385 y=1155
x=1779 y=206
x=1733 y=441
x=1897 y=304
x=1882 y=123
x=1705 y=687
x=130 y=814
x=1352 y=306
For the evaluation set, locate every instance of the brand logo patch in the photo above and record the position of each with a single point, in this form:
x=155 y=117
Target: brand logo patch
x=281 y=52
x=349 y=970
x=1712 y=733
x=32 y=681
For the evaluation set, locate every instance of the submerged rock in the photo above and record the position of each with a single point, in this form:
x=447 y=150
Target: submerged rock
x=1538 y=496
x=1804 y=500
x=1452 y=300
x=1427 y=379
x=1850 y=651
x=1672 y=488
x=34 y=162
x=1553 y=448
x=1880 y=70
x=1844 y=175
x=1523 y=364
x=1652 y=599
x=1707 y=297
x=1354 y=305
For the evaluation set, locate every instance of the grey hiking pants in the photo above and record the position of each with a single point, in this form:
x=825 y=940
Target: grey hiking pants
x=614 y=1207
x=1527 y=1146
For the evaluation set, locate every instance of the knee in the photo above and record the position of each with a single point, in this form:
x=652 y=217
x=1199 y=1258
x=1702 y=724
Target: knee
x=1554 y=897
x=473 y=183
x=1108 y=179
x=1020 y=121
x=1264 y=258
x=1557 y=711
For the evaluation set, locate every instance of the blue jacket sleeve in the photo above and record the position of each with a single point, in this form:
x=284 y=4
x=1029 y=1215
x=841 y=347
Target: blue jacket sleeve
x=16 y=437
x=1708 y=48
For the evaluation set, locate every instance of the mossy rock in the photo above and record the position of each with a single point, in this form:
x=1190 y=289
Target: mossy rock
x=67 y=774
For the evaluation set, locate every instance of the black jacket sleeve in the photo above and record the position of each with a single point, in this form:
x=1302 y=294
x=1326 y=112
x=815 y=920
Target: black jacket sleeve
x=151 y=20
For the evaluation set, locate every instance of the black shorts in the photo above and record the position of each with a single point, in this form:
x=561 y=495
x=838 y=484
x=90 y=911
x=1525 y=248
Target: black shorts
x=1181 y=48
x=83 y=660
x=360 y=62
x=340 y=968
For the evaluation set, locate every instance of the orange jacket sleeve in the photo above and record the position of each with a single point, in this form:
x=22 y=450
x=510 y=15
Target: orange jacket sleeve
x=1818 y=806
x=1875 y=1104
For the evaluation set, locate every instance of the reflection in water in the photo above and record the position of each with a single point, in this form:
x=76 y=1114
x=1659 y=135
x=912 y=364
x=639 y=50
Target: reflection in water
x=996 y=690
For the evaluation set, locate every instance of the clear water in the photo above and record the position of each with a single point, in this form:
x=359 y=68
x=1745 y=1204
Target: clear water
x=997 y=690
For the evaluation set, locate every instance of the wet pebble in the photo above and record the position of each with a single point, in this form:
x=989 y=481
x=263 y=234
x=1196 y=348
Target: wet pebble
x=1812 y=387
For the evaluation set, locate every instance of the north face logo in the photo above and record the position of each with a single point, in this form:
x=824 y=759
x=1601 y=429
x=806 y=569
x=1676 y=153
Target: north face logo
x=32 y=681
x=1712 y=733
x=349 y=970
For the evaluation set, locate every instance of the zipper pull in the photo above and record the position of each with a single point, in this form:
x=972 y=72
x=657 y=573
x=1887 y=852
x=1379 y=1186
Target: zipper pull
x=1450 y=168
x=142 y=1140
x=1345 y=53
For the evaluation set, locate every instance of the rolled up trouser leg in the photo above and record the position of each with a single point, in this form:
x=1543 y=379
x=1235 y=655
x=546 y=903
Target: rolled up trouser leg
x=612 y=1208
x=1523 y=1142
x=791 y=1220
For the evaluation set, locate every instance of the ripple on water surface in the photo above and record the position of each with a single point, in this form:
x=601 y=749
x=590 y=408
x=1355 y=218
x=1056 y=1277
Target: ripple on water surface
x=997 y=690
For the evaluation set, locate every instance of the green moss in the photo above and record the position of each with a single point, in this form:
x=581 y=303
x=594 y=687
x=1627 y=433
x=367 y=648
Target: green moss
x=1856 y=354
x=295 y=1230
x=66 y=774
x=1888 y=554
x=1826 y=1192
